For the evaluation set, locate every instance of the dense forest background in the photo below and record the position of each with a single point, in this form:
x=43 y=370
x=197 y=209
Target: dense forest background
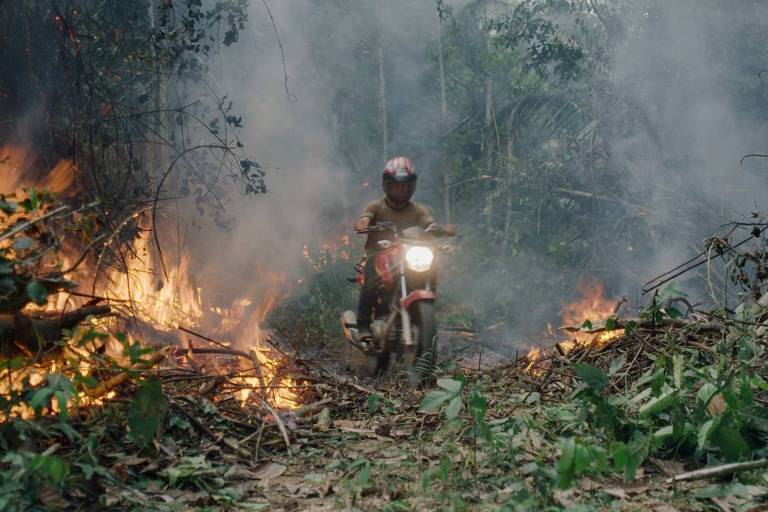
x=571 y=141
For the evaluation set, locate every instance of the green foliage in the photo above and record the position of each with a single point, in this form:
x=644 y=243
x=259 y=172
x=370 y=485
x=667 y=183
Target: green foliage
x=31 y=244
x=673 y=409
x=450 y=392
x=531 y=28
x=577 y=458
x=23 y=474
x=147 y=412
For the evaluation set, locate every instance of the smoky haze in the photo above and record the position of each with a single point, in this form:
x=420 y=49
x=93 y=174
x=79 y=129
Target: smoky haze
x=688 y=72
x=682 y=121
x=315 y=189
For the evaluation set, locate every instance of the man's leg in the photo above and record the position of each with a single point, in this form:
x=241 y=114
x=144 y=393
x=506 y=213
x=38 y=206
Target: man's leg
x=368 y=298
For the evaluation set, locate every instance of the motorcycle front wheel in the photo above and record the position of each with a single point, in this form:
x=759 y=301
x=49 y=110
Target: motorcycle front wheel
x=377 y=364
x=422 y=363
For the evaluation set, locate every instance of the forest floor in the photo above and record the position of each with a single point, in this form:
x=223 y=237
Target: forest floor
x=493 y=434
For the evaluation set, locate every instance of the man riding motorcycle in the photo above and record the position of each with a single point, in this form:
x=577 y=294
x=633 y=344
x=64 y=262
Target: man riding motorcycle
x=399 y=183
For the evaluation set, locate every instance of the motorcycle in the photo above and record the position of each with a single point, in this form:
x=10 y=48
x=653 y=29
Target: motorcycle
x=404 y=323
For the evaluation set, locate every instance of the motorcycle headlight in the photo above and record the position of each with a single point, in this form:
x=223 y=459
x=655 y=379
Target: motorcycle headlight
x=419 y=259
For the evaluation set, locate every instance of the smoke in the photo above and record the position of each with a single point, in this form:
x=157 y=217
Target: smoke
x=687 y=74
x=316 y=184
x=685 y=107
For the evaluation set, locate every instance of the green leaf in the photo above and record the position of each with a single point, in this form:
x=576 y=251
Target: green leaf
x=433 y=400
x=452 y=385
x=717 y=490
x=363 y=477
x=373 y=403
x=630 y=327
x=664 y=433
x=87 y=470
x=568 y=453
x=582 y=459
x=659 y=404
x=620 y=455
x=591 y=376
x=565 y=466
x=454 y=407
x=627 y=458
x=179 y=422
x=61 y=400
x=147 y=412
x=706 y=392
x=53 y=467
x=610 y=323
x=586 y=324
x=678 y=367
x=673 y=312
x=731 y=443
x=41 y=399
x=37 y=293
x=705 y=432
x=657 y=381
x=478 y=405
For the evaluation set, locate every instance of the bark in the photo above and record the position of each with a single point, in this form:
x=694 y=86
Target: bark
x=382 y=89
x=20 y=333
x=383 y=104
x=443 y=118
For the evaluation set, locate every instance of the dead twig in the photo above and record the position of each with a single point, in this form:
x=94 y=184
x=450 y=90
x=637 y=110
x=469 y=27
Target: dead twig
x=24 y=225
x=718 y=471
x=123 y=376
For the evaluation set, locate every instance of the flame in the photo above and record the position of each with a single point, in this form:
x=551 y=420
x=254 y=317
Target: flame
x=329 y=251
x=278 y=388
x=159 y=301
x=592 y=305
x=146 y=293
x=16 y=166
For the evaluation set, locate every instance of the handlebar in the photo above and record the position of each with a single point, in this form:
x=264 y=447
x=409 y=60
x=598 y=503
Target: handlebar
x=436 y=230
x=378 y=227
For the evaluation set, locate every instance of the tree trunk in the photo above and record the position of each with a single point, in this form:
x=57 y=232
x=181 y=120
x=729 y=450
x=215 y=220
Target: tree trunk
x=443 y=118
x=21 y=333
x=382 y=89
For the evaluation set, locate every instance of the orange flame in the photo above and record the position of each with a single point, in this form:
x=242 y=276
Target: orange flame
x=165 y=302
x=279 y=388
x=16 y=164
x=592 y=305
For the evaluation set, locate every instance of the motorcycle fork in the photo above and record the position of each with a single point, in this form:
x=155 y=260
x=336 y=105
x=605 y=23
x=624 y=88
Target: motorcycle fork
x=408 y=340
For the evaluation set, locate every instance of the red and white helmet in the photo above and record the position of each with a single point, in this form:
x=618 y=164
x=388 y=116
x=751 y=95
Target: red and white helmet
x=399 y=179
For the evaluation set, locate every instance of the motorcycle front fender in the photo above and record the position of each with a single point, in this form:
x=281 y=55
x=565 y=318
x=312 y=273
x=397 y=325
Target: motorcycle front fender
x=416 y=295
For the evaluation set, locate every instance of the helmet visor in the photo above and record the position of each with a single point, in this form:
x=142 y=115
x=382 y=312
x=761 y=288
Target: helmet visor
x=400 y=190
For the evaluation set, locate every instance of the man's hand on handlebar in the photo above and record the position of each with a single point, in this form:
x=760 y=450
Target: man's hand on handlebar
x=362 y=224
x=446 y=230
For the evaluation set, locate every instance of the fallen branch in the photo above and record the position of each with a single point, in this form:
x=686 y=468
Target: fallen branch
x=36 y=333
x=25 y=225
x=641 y=323
x=308 y=409
x=109 y=385
x=217 y=439
x=717 y=471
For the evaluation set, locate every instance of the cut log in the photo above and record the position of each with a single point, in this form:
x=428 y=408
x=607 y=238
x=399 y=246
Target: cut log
x=20 y=333
x=644 y=323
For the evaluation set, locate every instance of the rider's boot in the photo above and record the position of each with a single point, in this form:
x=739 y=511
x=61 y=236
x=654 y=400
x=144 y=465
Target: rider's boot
x=364 y=334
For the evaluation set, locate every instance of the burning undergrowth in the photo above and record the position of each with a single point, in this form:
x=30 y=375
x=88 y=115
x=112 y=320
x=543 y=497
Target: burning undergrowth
x=64 y=263
x=590 y=322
